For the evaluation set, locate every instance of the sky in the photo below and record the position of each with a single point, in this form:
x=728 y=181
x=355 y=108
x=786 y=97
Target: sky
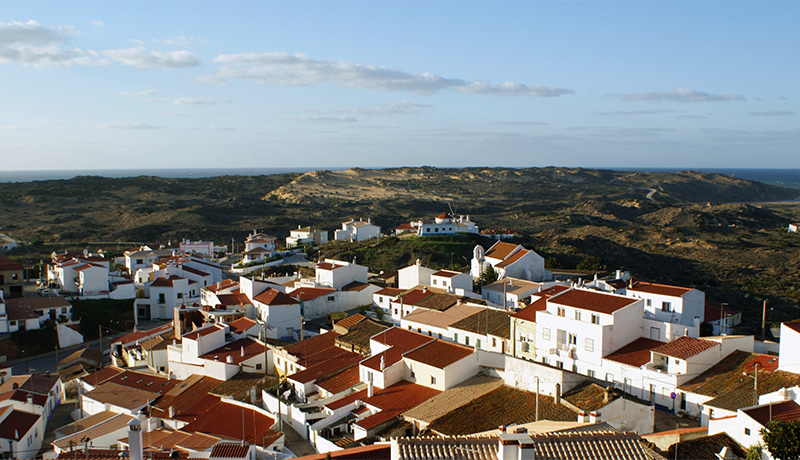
x=233 y=84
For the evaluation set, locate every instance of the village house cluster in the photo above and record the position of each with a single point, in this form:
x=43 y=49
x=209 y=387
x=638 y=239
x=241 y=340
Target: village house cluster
x=415 y=369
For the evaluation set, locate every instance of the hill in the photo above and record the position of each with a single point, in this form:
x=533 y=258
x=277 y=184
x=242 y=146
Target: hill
x=706 y=230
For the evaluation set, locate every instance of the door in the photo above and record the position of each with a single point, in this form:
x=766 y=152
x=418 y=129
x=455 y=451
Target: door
x=655 y=333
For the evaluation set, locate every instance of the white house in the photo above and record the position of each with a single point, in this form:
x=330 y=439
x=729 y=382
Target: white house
x=745 y=427
x=510 y=292
x=445 y=224
x=337 y=274
x=414 y=275
x=164 y=295
x=357 y=230
x=144 y=257
x=83 y=276
x=306 y=235
x=667 y=306
x=21 y=433
x=280 y=312
x=789 y=345
x=511 y=260
x=452 y=281
x=259 y=246
x=205 y=248
x=580 y=326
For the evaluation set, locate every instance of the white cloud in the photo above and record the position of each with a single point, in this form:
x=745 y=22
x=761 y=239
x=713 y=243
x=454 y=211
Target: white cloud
x=637 y=112
x=98 y=23
x=33 y=44
x=14 y=128
x=144 y=92
x=392 y=108
x=679 y=95
x=283 y=69
x=141 y=58
x=198 y=101
x=323 y=119
x=772 y=113
x=520 y=123
x=180 y=40
x=128 y=126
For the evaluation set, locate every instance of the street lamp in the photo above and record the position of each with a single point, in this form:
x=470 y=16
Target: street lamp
x=755 y=383
x=678 y=434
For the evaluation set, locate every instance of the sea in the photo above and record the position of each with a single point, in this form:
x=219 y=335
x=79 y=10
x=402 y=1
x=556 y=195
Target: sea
x=787 y=177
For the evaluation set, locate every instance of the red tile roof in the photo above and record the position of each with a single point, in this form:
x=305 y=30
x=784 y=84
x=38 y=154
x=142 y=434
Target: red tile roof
x=551 y=291
x=142 y=381
x=375 y=420
x=234 y=299
x=793 y=325
x=358 y=395
x=636 y=353
x=102 y=375
x=401 y=396
x=273 y=297
x=17 y=424
x=309 y=293
x=224 y=284
x=22 y=396
x=139 y=335
x=226 y=419
x=328 y=266
x=501 y=250
x=592 y=300
x=350 y=321
x=787 y=411
x=165 y=282
x=241 y=325
x=401 y=341
x=439 y=354
x=204 y=331
x=341 y=381
x=446 y=273
x=7 y=264
x=662 y=289
x=371 y=452
x=235 y=350
x=394 y=292
x=188 y=399
x=195 y=271
x=327 y=368
x=529 y=313
x=685 y=347
x=230 y=450
x=514 y=257
x=413 y=296
x=312 y=345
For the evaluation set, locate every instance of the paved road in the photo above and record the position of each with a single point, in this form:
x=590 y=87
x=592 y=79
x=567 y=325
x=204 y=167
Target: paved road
x=49 y=361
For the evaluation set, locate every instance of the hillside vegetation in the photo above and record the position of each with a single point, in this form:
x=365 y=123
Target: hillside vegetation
x=722 y=234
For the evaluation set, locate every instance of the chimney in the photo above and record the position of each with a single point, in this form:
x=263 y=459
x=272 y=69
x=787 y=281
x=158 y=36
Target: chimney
x=607 y=396
x=630 y=283
x=30 y=399
x=507 y=448
x=242 y=351
x=383 y=364
x=370 y=389
x=618 y=274
x=135 y=440
x=171 y=411
x=229 y=359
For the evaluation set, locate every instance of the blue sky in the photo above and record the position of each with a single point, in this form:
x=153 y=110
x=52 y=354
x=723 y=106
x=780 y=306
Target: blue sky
x=97 y=85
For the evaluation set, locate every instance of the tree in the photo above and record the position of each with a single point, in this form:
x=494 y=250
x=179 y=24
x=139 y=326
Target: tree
x=489 y=275
x=754 y=452
x=590 y=263
x=782 y=439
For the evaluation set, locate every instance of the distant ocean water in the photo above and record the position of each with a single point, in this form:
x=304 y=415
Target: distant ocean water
x=787 y=177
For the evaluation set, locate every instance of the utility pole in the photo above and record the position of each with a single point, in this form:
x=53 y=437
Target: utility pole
x=537 y=398
x=100 y=329
x=764 y=321
x=755 y=384
x=722 y=318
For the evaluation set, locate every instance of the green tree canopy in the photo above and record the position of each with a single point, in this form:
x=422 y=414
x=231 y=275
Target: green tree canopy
x=782 y=439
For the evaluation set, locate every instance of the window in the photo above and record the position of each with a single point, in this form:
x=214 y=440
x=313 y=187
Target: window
x=455 y=338
x=258 y=366
x=12 y=323
x=526 y=347
x=626 y=386
x=545 y=333
x=466 y=340
x=494 y=342
x=648 y=302
x=666 y=306
x=572 y=339
x=440 y=335
x=677 y=362
x=162 y=299
x=595 y=319
x=63 y=309
x=589 y=344
x=433 y=380
x=590 y=373
x=330 y=298
x=396 y=312
x=578 y=315
x=747 y=431
x=434 y=282
x=180 y=295
x=560 y=311
x=609 y=377
x=478 y=344
x=139 y=261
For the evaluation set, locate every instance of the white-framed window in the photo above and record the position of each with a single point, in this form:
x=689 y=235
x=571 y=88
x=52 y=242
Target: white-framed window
x=578 y=315
x=572 y=339
x=589 y=344
x=526 y=347
x=609 y=377
x=648 y=302
x=666 y=306
x=626 y=386
x=330 y=298
x=595 y=319
x=590 y=373
x=561 y=311
x=545 y=334
x=433 y=380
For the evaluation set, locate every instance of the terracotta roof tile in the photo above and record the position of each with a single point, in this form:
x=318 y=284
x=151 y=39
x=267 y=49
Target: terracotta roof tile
x=241 y=325
x=787 y=411
x=371 y=452
x=273 y=297
x=487 y=321
x=685 y=347
x=230 y=450
x=17 y=423
x=662 y=289
x=446 y=273
x=636 y=353
x=122 y=396
x=327 y=368
x=793 y=325
x=239 y=351
x=529 y=313
x=350 y=321
x=439 y=354
x=100 y=428
x=341 y=381
x=591 y=300
x=202 y=332
x=514 y=257
x=501 y=250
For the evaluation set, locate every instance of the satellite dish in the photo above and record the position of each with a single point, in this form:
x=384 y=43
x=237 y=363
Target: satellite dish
x=478 y=252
